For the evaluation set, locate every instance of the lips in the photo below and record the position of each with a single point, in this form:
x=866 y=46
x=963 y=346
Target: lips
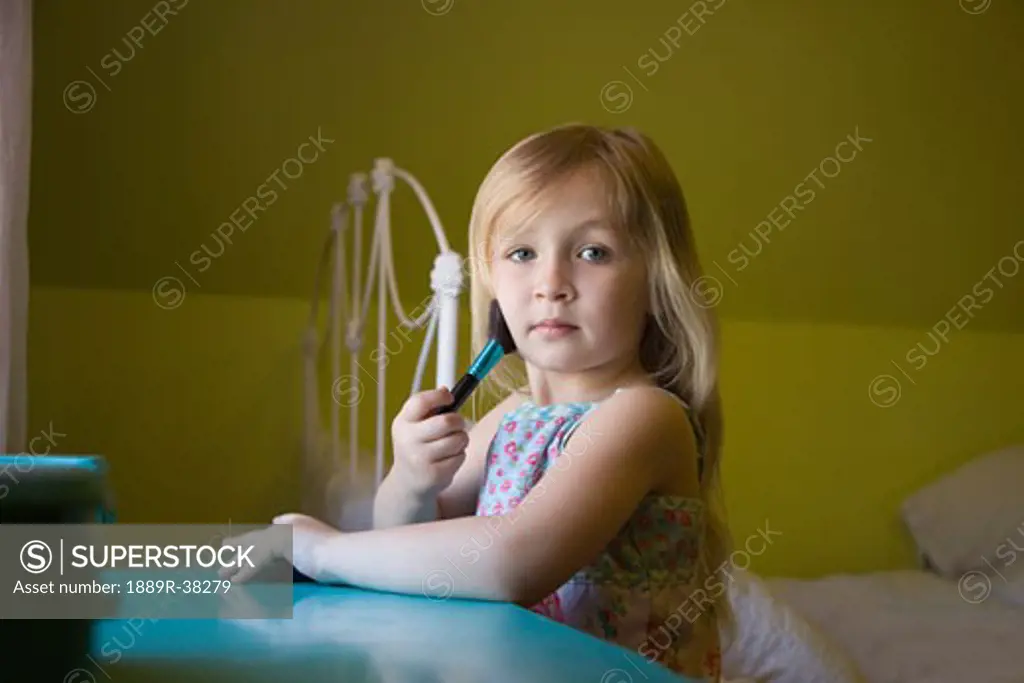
x=553 y=324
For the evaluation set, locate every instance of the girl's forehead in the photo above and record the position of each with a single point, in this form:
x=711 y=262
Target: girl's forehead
x=560 y=205
x=558 y=215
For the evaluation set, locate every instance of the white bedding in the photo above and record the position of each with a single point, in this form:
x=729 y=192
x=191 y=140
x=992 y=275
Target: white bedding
x=912 y=627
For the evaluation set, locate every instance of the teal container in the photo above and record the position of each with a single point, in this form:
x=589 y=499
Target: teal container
x=51 y=489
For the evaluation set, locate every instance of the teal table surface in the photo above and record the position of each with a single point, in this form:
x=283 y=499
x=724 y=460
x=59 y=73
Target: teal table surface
x=347 y=635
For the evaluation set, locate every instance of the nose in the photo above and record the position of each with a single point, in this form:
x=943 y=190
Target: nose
x=554 y=281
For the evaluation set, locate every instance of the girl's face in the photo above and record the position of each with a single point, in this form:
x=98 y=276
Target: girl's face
x=573 y=291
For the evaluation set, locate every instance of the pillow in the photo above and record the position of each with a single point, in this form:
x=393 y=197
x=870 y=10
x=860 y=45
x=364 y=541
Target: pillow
x=1011 y=590
x=958 y=521
x=772 y=643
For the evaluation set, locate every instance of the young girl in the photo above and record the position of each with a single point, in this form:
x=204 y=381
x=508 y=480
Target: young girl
x=589 y=493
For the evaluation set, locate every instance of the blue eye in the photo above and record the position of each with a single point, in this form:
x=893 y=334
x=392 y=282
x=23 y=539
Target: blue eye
x=512 y=254
x=601 y=253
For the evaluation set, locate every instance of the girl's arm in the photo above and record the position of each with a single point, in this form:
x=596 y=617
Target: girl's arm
x=616 y=456
x=396 y=505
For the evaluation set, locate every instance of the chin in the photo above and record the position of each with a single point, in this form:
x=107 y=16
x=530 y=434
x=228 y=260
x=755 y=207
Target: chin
x=566 y=359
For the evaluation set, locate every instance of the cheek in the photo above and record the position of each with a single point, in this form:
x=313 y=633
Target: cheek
x=630 y=303
x=626 y=294
x=509 y=292
x=500 y=281
x=615 y=308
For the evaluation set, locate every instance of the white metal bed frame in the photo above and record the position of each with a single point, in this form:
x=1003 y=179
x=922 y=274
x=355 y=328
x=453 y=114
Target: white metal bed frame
x=349 y=303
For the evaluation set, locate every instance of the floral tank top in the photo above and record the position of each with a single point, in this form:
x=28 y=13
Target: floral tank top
x=642 y=591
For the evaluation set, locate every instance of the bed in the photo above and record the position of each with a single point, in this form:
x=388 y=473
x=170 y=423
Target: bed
x=957 y=618
x=914 y=626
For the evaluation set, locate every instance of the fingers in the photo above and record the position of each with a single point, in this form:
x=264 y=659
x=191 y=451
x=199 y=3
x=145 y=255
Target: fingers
x=444 y=448
x=421 y=405
x=430 y=446
x=263 y=553
x=243 y=574
x=288 y=518
x=231 y=572
x=438 y=427
x=449 y=466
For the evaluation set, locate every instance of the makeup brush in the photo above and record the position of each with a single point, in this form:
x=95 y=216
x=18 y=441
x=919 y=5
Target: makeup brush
x=499 y=344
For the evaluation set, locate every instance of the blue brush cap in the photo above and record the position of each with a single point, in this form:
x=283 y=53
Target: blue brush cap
x=487 y=359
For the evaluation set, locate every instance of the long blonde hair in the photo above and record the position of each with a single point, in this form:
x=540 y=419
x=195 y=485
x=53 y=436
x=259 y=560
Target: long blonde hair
x=680 y=344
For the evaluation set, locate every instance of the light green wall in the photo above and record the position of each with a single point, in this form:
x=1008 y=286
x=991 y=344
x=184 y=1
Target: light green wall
x=199 y=408
x=207 y=427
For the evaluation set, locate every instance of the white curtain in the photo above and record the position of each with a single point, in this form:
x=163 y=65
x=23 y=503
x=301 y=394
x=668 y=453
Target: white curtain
x=15 y=136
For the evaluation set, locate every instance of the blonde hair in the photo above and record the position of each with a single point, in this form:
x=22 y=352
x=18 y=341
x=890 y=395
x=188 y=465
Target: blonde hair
x=680 y=345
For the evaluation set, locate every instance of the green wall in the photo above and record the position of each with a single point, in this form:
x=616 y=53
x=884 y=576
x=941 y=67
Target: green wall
x=140 y=156
x=207 y=427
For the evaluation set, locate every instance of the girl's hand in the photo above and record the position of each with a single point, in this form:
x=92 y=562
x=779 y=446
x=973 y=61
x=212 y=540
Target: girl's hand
x=308 y=535
x=428 y=448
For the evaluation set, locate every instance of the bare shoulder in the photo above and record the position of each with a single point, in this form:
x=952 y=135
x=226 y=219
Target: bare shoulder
x=646 y=408
x=651 y=427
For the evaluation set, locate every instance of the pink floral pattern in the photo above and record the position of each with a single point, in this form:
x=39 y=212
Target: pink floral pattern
x=642 y=591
